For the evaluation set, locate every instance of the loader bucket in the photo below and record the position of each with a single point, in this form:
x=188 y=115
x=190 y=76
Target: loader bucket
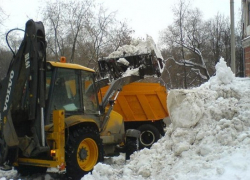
x=146 y=64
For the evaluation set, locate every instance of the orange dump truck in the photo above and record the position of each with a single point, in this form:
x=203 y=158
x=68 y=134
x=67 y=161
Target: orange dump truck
x=143 y=107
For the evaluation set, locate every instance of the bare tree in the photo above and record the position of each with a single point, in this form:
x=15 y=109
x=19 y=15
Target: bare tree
x=78 y=13
x=54 y=23
x=239 y=49
x=3 y=16
x=65 y=20
x=180 y=12
x=5 y=59
x=83 y=31
x=102 y=35
x=187 y=34
x=196 y=36
x=120 y=35
x=219 y=38
x=98 y=33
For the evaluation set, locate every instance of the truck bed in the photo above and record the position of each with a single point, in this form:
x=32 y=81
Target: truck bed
x=140 y=101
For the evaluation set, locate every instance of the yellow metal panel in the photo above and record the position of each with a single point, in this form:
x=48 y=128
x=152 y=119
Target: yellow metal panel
x=124 y=108
x=73 y=120
x=57 y=137
x=163 y=99
x=107 y=139
x=38 y=162
x=136 y=106
x=141 y=101
x=146 y=106
x=59 y=129
x=115 y=121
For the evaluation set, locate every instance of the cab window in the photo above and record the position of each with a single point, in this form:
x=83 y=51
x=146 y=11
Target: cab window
x=89 y=93
x=66 y=93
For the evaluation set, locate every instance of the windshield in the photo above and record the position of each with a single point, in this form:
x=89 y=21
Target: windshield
x=73 y=91
x=66 y=92
x=89 y=93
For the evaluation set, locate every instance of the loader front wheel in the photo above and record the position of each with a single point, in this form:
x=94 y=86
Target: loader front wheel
x=131 y=146
x=83 y=151
x=149 y=135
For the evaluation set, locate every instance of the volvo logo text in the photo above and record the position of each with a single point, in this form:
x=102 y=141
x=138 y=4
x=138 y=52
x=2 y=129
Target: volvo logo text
x=7 y=98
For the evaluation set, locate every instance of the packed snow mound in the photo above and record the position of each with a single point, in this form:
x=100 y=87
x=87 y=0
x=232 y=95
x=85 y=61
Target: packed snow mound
x=224 y=75
x=178 y=101
x=208 y=139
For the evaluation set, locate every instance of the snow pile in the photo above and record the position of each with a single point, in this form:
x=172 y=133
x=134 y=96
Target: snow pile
x=137 y=47
x=224 y=75
x=129 y=72
x=208 y=139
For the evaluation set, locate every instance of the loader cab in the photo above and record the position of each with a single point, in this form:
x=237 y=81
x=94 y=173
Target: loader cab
x=70 y=87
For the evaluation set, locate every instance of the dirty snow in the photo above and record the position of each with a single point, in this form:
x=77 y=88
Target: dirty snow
x=136 y=47
x=123 y=61
x=208 y=139
x=129 y=72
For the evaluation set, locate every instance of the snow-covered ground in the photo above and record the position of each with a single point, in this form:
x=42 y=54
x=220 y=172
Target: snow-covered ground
x=208 y=139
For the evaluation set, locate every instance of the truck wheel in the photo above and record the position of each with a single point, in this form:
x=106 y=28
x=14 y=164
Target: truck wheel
x=83 y=151
x=26 y=170
x=149 y=135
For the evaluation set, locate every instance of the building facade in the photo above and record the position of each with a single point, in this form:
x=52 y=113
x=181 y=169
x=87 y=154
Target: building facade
x=246 y=35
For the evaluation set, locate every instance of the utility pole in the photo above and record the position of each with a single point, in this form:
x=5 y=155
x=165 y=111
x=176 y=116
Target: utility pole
x=232 y=37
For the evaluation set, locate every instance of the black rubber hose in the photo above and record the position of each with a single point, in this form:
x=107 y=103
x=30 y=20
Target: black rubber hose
x=16 y=29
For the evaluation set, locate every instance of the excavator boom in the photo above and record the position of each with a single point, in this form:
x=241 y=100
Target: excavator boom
x=20 y=89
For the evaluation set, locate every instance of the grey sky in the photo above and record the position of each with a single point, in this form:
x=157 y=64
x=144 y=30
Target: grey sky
x=144 y=16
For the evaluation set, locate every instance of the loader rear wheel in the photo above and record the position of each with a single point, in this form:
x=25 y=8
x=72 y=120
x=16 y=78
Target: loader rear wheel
x=83 y=151
x=149 y=135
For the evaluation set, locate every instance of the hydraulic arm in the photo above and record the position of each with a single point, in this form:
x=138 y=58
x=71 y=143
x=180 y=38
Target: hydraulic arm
x=22 y=98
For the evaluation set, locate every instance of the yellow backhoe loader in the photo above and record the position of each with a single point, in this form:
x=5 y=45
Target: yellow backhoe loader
x=50 y=114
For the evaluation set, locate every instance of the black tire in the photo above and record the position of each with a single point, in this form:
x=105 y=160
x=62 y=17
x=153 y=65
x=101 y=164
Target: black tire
x=3 y=151
x=149 y=135
x=83 y=150
x=26 y=170
x=132 y=145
